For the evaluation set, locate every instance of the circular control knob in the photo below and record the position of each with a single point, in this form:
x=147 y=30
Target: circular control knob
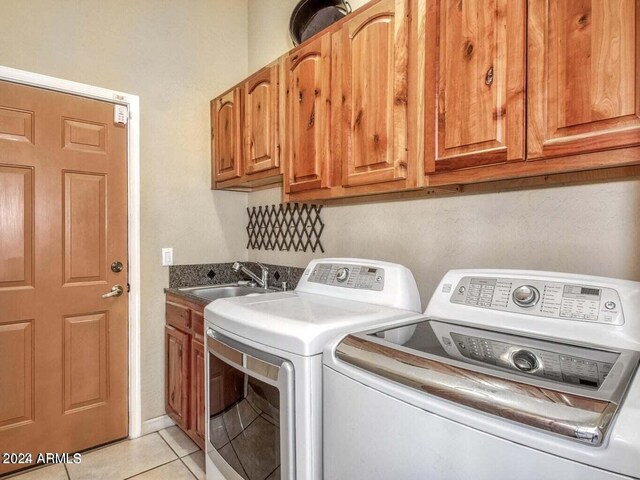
x=526 y=296
x=525 y=361
x=610 y=305
x=342 y=274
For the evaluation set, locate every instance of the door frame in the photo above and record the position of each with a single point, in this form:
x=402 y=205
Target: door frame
x=133 y=215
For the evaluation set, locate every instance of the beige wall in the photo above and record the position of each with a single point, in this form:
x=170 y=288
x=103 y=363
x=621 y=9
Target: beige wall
x=592 y=229
x=176 y=56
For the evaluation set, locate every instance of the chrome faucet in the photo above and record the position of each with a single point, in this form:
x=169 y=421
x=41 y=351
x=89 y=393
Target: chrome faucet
x=262 y=282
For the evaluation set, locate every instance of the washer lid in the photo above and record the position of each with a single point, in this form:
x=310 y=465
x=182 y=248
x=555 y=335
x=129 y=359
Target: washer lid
x=297 y=322
x=572 y=391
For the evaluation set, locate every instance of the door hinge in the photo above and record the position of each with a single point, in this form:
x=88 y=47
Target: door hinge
x=128 y=287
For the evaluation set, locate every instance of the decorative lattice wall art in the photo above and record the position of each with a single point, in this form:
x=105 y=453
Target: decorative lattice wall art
x=296 y=226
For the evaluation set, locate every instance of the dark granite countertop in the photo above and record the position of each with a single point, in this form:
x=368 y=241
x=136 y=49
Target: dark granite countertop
x=216 y=274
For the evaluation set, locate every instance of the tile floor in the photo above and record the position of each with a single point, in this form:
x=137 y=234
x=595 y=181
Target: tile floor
x=168 y=454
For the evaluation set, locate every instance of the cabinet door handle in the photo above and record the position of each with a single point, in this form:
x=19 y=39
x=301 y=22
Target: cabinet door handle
x=488 y=79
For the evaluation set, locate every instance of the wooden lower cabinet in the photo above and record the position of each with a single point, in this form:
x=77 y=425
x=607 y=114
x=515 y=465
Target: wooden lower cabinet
x=197 y=405
x=185 y=376
x=177 y=375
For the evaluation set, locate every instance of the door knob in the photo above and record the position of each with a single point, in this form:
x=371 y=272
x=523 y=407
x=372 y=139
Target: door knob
x=116 y=267
x=116 y=291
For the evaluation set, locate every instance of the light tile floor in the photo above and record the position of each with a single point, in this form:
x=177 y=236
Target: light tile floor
x=168 y=454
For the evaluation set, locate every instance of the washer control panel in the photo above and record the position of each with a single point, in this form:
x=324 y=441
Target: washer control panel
x=362 y=277
x=580 y=367
x=585 y=303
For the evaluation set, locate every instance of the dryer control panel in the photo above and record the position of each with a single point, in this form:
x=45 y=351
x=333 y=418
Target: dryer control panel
x=361 y=277
x=585 y=303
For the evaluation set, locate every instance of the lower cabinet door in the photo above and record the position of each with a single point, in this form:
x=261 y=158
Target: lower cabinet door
x=177 y=376
x=197 y=393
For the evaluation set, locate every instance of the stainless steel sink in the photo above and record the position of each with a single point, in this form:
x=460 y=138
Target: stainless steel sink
x=223 y=291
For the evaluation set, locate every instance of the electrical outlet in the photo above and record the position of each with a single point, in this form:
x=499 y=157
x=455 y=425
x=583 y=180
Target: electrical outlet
x=167 y=257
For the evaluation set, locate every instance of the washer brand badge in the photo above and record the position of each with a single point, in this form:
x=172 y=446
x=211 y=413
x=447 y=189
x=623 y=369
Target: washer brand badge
x=446 y=288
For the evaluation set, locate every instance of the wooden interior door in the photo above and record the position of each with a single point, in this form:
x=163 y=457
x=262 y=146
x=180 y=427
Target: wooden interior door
x=375 y=61
x=63 y=221
x=475 y=56
x=261 y=121
x=308 y=156
x=583 y=76
x=226 y=137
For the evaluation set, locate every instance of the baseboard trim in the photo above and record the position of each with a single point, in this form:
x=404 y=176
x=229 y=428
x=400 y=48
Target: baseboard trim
x=155 y=424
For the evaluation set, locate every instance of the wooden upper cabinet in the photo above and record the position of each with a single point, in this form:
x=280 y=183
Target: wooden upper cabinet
x=226 y=139
x=374 y=67
x=308 y=160
x=475 y=82
x=403 y=94
x=583 y=76
x=245 y=129
x=261 y=121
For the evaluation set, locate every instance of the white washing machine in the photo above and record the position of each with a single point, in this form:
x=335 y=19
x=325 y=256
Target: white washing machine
x=264 y=364
x=510 y=374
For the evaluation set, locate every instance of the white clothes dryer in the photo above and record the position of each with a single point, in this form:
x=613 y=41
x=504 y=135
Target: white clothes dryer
x=264 y=364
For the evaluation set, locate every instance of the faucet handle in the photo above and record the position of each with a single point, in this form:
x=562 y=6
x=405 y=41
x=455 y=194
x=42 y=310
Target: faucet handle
x=264 y=268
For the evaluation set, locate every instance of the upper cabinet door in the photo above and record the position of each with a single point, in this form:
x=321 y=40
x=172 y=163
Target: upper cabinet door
x=583 y=77
x=374 y=64
x=226 y=137
x=261 y=121
x=475 y=72
x=308 y=158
